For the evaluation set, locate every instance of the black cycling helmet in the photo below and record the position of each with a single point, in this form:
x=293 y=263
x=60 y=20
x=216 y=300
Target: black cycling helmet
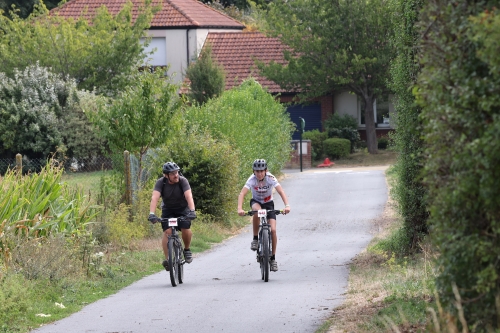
x=259 y=164
x=169 y=167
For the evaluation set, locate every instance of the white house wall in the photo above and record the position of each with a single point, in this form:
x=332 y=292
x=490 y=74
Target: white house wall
x=346 y=103
x=176 y=47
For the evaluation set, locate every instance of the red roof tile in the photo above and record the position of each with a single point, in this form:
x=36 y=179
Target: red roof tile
x=173 y=14
x=236 y=52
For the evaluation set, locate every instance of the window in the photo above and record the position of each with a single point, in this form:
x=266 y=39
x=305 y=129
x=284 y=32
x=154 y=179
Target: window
x=380 y=112
x=159 y=57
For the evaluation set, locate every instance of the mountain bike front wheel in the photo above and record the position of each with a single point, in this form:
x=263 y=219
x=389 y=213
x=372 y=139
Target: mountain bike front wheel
x=173 y=263
x=264 y=263
x=180 y=271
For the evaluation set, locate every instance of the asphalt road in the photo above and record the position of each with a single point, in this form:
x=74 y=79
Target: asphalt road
x=223 y=290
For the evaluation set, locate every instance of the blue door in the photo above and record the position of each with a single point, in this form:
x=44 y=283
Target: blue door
x=311 y=114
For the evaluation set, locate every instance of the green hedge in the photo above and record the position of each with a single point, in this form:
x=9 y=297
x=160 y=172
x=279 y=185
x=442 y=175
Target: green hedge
x=210 y=165
x=337 y=148
x=317 y=139
x=458 y=91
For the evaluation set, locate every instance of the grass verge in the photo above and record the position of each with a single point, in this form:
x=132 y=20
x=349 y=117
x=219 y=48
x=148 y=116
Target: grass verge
x=363 y=158
x=385 y=293
x=27 y=304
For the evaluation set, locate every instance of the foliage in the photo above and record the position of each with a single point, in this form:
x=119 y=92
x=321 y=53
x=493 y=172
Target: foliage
x=337 y=45
x=254 y=123
x=340 y=121
x=207 y=78
x=337 y=148
x=346 y=133
x=409 y=191
x=30 y=107
x=80 y=137
x=317 y=139
x=458 y=91
x=38 y=205
x=140 y=118
x=100 y=54
x=13 y=300
x=383 y=142
x=25 y=7
x=210 y=166
x=121 y=230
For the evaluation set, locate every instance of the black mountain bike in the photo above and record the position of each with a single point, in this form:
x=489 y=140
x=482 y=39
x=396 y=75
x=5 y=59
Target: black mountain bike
x=175 y=251
x=264 y=251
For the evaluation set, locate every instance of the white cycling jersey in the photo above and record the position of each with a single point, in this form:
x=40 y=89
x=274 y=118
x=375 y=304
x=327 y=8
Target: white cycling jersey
x=262 y=191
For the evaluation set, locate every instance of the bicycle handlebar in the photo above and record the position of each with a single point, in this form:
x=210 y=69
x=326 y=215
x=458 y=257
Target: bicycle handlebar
x=180 y=219
x=276 y=211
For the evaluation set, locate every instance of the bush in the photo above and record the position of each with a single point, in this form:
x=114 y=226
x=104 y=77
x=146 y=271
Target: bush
x=317 y=139
x=14 y=300
x=345 y=133
x=211 y=167
x=253 y=122
x=383 y=142
x=341 y=121
x=206 y=76
x=337 y=148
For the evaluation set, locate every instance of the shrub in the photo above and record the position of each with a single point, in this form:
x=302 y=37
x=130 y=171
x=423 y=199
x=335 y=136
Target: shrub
x=211 y=167
x=121 y=230
x=345 y=133
x=317 y=139
x=383 y=142
x=337 y=148
x=14 y=300
x=206 y=76
x=253 y=122
x=341 y=121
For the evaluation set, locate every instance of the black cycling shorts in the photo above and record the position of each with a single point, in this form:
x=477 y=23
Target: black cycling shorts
x=268 y=206
x=170 y=213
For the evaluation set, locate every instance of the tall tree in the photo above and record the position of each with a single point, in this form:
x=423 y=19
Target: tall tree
x=25 y=7
x=337 y=45
x=140 y=117
x=206 y=76
x=101 y=54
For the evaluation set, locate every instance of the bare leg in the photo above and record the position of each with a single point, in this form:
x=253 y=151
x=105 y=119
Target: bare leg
x=274 y=236
x=255 y=219
x=164 y=242
x=187 y=234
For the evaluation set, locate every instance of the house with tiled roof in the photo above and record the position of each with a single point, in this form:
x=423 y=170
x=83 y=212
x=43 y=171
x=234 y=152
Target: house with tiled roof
x=181 y=28
x=178 y=30
x=236 y=52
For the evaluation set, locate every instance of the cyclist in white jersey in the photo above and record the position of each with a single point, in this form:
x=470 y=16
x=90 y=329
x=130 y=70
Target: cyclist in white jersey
x=261 y=183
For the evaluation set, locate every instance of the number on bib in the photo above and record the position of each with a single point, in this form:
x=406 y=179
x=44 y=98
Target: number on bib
x=172 y=222
x=262 y=213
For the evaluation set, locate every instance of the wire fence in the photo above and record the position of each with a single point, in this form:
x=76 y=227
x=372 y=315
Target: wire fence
x=70 y=165
x=86 y=171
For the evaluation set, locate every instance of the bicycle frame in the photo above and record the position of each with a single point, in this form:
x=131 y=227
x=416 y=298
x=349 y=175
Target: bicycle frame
x=264 y=250
x=175 y=252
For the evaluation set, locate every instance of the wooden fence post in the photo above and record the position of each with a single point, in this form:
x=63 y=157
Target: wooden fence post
x=19 y=164
x=128 y=178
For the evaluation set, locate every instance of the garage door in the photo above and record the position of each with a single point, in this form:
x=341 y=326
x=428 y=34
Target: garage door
x=311 y=114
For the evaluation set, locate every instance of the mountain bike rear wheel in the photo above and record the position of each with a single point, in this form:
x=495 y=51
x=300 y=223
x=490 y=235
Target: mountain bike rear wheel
x=172 y=262
x=264 y=264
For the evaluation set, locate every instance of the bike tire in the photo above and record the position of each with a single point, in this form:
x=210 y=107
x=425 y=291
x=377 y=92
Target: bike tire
x=180 y=271
x=265 y=256
x=172 y=263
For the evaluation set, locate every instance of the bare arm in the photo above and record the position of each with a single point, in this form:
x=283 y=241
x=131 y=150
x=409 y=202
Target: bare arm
x=155 y=197
x=282 y=194
x=243 y=192
x=189 y=198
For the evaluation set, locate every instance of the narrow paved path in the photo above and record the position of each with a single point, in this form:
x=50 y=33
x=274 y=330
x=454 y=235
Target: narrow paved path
x=223 y=291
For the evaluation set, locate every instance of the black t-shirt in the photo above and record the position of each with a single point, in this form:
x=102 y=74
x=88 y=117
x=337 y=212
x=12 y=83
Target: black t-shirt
x=173 y=194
